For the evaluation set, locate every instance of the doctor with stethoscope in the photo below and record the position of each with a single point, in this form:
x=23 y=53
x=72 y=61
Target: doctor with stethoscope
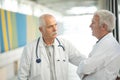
x=47 y=57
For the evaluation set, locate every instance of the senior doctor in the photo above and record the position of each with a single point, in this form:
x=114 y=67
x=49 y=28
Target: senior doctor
x=103 y=62
x=47 y=57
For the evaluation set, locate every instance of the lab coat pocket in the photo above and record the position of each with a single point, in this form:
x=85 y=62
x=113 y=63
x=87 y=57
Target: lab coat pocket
x=38 y=77
x=35 y=69
x=64 y=64
x=61 y=68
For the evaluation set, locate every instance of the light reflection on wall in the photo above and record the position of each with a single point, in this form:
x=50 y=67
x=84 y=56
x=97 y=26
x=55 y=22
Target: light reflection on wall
x=78 y=32
x=81 y=10
x=11 y=5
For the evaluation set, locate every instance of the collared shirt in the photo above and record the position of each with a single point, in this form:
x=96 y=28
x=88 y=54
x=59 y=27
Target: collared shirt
x=50 y=54
x=102 y=63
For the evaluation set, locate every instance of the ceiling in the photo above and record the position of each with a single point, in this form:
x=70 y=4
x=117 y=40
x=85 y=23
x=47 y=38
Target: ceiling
x=63 y=6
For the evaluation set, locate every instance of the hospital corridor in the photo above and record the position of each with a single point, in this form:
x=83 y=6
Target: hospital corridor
x=19 y=26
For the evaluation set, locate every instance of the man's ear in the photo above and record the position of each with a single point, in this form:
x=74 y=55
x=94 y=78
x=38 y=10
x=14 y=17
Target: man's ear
x=104 y=26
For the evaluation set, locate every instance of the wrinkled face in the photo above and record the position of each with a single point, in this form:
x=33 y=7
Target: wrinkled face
x=50 y=28
x=95 y=27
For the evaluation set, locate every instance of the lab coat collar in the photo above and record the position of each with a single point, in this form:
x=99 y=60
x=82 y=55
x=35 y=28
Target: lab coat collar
x=55 y=44
x=42 y=44
x=107 y=35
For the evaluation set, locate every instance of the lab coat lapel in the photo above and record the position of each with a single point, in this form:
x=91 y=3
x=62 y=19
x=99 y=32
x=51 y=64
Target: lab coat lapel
x=56 y=51
x=57 y=60
x=42 y=50
x=44 y=61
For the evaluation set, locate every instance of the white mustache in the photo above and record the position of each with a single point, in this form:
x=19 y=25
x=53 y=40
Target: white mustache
x=54 y=33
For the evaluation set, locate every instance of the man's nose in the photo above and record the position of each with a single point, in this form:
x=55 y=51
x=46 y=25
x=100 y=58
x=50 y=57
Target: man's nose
x=55 y=28
x=90 y=25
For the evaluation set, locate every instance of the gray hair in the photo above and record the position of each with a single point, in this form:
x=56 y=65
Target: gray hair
x=106 y=17
x=42 y=19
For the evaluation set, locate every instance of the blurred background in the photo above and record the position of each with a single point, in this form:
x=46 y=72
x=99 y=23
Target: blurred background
x=19 y=26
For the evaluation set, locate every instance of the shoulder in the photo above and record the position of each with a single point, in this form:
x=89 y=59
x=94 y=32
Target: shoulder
x=29 y=48
x=64 y=42
x=31 y=44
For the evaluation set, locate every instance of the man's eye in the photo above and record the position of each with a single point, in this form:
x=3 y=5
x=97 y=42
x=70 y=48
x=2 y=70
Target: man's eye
x=50 y=26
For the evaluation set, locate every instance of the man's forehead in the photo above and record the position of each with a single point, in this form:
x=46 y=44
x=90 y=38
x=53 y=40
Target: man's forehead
x=96 y=17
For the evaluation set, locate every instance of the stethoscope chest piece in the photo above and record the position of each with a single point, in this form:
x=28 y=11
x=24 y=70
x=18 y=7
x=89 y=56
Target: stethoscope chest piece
x=38 y=60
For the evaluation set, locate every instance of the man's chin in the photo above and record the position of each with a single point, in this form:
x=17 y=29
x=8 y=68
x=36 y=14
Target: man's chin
x=55 y=35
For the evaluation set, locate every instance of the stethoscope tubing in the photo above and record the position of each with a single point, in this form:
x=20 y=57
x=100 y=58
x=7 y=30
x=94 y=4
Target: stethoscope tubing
x=38 y=60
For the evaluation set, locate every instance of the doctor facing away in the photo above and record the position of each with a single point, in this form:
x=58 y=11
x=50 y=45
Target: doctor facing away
x=47 y=57
x=103 y=62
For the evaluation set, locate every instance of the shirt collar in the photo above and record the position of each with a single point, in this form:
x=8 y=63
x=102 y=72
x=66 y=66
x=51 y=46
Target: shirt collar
x=104 y=37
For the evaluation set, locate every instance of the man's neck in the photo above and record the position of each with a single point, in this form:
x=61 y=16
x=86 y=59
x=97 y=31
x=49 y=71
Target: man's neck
x=48 y=41
x=102 y=37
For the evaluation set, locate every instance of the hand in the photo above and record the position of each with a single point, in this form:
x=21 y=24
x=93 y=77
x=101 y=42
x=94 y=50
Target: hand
x=118 y=78
x=85 y=76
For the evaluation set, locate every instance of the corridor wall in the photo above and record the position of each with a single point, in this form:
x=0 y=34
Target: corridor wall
x=16 y=29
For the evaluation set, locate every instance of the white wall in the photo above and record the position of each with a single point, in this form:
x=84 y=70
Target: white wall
x=9 y=62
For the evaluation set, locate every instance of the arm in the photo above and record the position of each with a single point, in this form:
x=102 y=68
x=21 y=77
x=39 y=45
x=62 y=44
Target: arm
x=91 y=65
x=73 y=54
x=118 y=78
x=75 y=57
x=24 y=67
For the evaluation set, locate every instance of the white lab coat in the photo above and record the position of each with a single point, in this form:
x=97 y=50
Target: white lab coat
x=30 y=70
x=103 y=62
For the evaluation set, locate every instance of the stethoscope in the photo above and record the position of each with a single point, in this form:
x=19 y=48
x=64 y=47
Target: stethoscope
x=38 y=60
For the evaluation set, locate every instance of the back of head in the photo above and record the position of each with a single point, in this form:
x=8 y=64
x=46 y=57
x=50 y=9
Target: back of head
x=106 y=17
x=43 y=18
